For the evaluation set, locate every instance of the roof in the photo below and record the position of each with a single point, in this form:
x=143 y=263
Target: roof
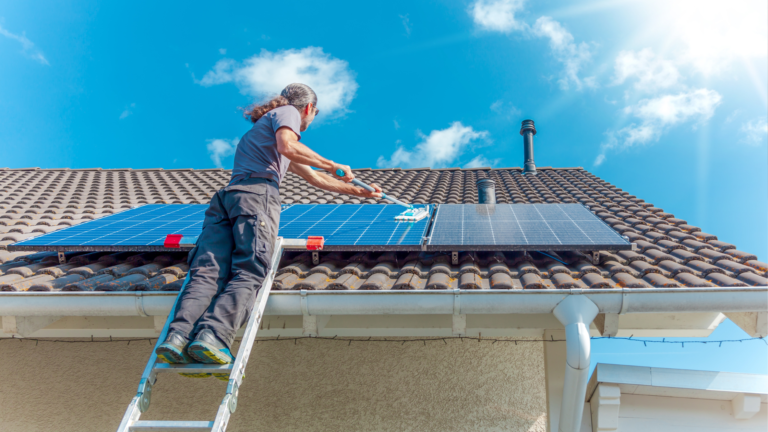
x=671 y=252
x=677 y=382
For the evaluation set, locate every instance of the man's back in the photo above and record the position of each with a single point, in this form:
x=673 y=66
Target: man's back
x=257 y=151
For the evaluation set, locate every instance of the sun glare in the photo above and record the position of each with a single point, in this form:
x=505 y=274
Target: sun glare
x=715 y=32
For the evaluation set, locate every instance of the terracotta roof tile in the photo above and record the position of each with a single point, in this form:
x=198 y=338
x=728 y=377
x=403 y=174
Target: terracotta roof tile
x=671 y=253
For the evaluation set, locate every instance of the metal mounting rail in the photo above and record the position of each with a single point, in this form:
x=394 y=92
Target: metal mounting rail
x=236 y=370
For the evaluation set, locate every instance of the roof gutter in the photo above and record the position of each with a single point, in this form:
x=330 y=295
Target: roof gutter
x=621 y=301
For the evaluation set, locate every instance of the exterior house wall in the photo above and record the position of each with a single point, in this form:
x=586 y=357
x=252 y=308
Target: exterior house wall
x=318 y=385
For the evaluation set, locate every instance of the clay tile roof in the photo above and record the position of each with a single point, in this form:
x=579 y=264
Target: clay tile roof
x=671 y=253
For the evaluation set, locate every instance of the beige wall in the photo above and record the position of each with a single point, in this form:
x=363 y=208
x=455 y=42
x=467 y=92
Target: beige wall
x=314 y=385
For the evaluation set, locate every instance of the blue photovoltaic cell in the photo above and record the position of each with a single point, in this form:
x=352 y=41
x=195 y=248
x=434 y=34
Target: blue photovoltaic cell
x=521 y=227
x=345 y=227
x=147 y=225
x=353 y=226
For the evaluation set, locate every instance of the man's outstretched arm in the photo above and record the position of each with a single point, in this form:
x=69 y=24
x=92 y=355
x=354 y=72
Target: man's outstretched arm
x=323 y=181
x=289 y=146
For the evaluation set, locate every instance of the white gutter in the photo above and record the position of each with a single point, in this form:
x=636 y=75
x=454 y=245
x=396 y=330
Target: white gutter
x=626 y=300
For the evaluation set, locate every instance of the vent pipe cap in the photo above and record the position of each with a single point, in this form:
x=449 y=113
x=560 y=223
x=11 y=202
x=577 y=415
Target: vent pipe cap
x=486 y=191
x=528 y=126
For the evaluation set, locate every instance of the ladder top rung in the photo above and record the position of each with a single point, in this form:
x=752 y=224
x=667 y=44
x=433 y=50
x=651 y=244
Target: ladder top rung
x=192 y=367
x=171 y=426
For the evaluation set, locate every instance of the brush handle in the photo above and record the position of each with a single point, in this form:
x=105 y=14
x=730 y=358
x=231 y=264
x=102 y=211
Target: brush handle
x=357 y=182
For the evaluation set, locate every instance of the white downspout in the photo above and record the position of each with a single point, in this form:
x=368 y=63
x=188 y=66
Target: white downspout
x=576 y=312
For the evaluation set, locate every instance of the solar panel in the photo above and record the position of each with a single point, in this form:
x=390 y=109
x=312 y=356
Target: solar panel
x=557 y=227
x=141 y=229
x=353 y=226
x=345 y=227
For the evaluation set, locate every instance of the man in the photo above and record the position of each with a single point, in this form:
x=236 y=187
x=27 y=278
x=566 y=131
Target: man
x=232 y=256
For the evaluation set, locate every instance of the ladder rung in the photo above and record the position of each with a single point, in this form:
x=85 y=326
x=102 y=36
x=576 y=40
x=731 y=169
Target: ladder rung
x=192 y=368
x=171 y=426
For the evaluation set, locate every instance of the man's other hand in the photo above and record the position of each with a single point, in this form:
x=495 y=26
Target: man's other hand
x=348 y=176
x=364 y=193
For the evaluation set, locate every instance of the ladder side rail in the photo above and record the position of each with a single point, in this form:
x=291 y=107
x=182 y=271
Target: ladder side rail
x=148 y=377
x=229 y=402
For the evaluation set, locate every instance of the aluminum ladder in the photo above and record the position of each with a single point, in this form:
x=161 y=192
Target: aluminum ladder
x=236 y=370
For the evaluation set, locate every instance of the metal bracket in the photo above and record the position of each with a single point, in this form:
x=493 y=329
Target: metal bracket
x=455 y=258
x=304 y=306
x=62 y=258
x=145 y=394
x=595 y=255
x=315 y=258
x=233 y=390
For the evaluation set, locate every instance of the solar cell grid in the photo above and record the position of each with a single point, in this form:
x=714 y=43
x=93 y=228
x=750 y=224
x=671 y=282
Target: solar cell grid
x=142 y=228
x=345 y=227
x=353 y=226
x=521 y=227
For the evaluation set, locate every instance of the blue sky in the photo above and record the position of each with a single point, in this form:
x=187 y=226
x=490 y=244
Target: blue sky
x=667 y=100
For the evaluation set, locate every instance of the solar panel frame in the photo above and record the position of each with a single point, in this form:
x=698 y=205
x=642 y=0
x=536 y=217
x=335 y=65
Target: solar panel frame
x=531 y=227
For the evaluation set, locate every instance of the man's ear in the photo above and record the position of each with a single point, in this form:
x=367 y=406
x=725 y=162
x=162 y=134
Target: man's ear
x=306 y=108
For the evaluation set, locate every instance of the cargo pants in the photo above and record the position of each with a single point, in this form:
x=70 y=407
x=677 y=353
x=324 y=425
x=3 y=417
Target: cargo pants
x=231 y=259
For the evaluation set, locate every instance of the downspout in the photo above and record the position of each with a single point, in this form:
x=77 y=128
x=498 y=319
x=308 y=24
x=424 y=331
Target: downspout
x=576 y=312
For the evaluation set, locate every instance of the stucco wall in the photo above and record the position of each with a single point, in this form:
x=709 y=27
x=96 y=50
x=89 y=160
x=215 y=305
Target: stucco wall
x=313 y=385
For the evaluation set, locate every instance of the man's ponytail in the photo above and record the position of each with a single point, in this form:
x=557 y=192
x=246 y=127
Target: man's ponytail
x=298 y=95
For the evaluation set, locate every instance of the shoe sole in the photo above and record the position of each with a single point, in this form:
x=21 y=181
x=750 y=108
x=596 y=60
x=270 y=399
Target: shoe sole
x=171 y=354
x=205 y=353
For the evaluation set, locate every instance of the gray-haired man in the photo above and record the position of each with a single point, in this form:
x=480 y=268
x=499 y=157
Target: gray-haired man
x=232 y=256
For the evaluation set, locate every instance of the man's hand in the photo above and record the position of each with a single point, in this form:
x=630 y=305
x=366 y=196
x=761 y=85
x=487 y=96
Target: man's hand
x=348 y=176
x=316 y=178
x=364 y=193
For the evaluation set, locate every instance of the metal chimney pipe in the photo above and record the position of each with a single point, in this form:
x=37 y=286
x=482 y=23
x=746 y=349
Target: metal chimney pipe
x=528 y=130
x=486 y=191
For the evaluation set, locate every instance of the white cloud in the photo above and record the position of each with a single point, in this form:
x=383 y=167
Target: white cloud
x=650 y=71
x=27 y=47
x=480 y=161
x=507 y=109
x=498 y=15
x=658 y=114
x=127 y=111
x=222 y=51
x=566 y=51
x=407 y=24
x=599 y=159
x=266 y=74
x=221 y=148
x=671 y=109
x=436 y=150
x=755 y=130
x=397 y=125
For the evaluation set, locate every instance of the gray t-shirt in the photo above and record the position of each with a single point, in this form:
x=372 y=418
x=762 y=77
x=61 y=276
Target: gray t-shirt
x=257 y=150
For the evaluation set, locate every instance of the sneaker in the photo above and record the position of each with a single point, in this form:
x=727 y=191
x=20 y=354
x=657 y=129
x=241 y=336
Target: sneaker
x=207 y=348
x=173 y=350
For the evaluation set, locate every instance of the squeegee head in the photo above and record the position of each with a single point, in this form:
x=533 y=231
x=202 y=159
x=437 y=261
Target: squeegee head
x=413 y=214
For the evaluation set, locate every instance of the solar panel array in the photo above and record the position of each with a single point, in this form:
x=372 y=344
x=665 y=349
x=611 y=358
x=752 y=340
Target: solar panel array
x=143 y=228
x=521 y=227
x=352 y=227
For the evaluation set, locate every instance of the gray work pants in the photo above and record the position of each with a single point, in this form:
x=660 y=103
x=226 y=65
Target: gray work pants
x=230 y=260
